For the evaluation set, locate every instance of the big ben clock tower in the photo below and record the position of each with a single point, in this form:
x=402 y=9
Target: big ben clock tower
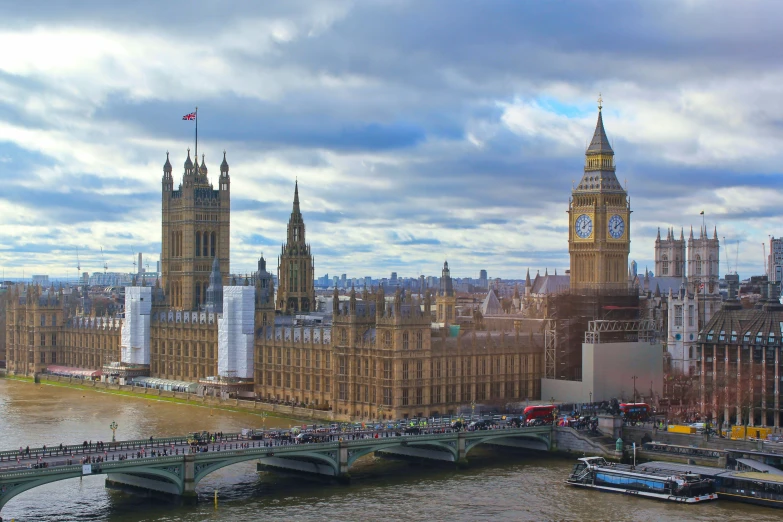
x=599 y=217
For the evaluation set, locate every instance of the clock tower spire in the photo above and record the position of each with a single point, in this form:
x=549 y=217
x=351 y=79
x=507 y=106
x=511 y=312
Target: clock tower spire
x=599 y=218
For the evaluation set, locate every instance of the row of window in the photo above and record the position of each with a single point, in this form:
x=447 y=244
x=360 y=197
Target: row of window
x=295 y=381
x=274 y=355
x=747 y=337
x=180 y=349
x=387 y=339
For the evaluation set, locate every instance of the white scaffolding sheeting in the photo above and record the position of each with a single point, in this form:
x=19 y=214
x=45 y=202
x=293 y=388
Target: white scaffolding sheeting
x=135 y=335
x=236 y=331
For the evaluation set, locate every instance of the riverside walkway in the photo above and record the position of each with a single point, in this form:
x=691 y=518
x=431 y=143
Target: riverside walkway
x=175 y=466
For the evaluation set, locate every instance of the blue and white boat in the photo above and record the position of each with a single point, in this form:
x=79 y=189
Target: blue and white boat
x=597 y=473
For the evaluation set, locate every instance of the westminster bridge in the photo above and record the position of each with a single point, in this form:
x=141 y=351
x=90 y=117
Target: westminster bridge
x=174 y=466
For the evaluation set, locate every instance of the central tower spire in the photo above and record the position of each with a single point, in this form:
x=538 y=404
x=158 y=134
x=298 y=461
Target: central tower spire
x=296 y=290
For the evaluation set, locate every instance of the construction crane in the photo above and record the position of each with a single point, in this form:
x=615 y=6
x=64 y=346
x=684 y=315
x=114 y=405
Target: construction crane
x=728 y=264
x=105 y=265
x=736 y=259
x=134 y=261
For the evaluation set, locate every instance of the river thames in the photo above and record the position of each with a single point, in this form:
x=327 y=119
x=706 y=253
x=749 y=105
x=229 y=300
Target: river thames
x=497 y=486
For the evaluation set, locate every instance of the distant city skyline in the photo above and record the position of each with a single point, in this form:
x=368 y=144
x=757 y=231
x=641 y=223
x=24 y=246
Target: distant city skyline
x=415 y=137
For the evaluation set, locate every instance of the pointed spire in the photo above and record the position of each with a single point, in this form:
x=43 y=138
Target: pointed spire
x=600 y=143
x=659 y=234
x=691 y=236
x=657 y=290
x=715 y=232
x=527 y=278
x=203 y=167
x=555 y=271
x=188 y=162
x=167 y=165
x=682 y=233
x=546 y=272
x=296 y=195
x=224 y=165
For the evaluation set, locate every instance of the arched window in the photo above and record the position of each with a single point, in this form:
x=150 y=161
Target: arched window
x=665 y=264
x=698 y=264
x=418 y=340
x=387 y=338
x=709 y=267
x=405 y=344
x=212 y=242
x=198 y=244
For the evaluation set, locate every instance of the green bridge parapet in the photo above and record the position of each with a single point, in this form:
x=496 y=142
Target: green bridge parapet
x=179 y=474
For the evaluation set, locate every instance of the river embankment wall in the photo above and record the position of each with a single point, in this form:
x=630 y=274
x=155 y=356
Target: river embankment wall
x=279 y=410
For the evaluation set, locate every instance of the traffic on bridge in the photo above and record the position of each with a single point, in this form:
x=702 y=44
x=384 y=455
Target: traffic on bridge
x=96 y=452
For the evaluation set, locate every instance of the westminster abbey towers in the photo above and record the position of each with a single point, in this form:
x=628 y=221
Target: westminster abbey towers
x=599 y=222
x=196 y=230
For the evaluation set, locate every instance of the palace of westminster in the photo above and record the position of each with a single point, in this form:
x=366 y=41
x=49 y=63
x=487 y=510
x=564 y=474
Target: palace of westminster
x=397 y=355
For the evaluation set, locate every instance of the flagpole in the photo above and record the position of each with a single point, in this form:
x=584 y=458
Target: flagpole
x=196 y=135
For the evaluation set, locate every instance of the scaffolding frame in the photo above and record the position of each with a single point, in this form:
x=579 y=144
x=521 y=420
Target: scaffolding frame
x=642 y=330
x=550 y=348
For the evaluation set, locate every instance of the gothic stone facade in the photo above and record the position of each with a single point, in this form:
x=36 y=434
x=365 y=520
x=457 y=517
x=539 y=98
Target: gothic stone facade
x=383 y=359
x=195 y=230
x=295 y=272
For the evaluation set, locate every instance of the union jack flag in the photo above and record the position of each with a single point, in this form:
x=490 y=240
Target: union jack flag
x=191 y=116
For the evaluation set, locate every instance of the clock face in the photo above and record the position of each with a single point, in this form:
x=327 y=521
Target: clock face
x=583 y=226
x=616 y=226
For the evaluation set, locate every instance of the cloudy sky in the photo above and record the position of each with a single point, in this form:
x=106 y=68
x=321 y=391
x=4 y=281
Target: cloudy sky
x=418 y=130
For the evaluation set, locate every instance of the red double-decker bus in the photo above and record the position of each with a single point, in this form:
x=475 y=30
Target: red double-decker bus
x=635 y=411
x=546 y=413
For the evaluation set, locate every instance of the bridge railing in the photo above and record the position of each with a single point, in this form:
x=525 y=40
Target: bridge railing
x=73 y=450
x=82 y=449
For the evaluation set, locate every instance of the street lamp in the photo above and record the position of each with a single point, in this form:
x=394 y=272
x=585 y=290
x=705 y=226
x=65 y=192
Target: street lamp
x=634 y=387
x=113 y=427
x=591 y=398
x=472 y=408
x=380 y=411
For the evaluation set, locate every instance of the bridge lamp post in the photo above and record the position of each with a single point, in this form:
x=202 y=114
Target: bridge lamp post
x=472 y=408
x=113 y=427
x=380 y=411
x=263 y=420
x=634 y=387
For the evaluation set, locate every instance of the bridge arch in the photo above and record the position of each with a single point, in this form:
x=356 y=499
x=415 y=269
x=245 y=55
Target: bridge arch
x=534 y=441
x=386 y=444
x=202 y=469
x=21 y=482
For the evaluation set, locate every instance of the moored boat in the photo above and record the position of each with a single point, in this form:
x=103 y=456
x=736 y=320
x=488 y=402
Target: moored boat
x=597 y=473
